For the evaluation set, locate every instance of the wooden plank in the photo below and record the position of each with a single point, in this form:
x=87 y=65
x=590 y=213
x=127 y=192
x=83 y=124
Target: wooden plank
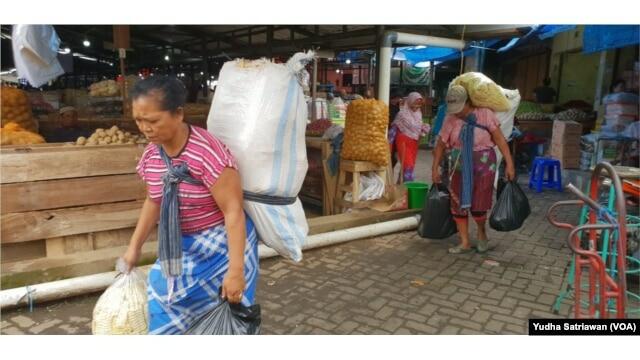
x=315 y=142
x=78 y=243
x=55 y=194
x=62 y=146
x=23 y=251
x=115 y=238
x=330 y=183
x=68 y=162
x=26 y=272
x=55 y=246
x=357 y=218
x=36 y=225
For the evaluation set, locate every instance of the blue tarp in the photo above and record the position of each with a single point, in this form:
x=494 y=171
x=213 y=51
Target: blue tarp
x=604 y=37
x=541 y=32
x=417 y=54
x=549 y=31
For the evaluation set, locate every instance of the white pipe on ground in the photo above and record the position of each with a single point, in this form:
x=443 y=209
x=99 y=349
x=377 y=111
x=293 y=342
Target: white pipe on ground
x=61 y=289
x=390 y=38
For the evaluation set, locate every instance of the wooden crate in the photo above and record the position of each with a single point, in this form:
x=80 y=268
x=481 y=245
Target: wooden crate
x=318 y=187
x=66 y=207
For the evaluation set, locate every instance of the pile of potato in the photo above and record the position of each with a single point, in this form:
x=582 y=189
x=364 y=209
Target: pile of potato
x=365 y=133
x=13 y=134
x=112 y=136
x=104 y=88
x=16 y=108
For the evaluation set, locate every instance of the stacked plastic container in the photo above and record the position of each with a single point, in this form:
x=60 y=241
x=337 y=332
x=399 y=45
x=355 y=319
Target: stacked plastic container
x=621 y=109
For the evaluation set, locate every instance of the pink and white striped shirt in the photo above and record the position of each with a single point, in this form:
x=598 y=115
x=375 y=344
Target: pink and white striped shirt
x=206 y=157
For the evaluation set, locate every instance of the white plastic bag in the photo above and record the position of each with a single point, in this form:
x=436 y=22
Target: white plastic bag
x=259 y=112
x=35 y=51
x=122 y=309
x=372 y=186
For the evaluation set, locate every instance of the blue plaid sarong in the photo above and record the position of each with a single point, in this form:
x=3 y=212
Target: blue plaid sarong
x=204 y=262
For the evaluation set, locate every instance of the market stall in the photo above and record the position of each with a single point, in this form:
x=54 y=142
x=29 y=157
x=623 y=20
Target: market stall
x=67 y=207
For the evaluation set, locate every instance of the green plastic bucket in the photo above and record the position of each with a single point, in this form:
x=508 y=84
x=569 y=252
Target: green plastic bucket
x=417 y=193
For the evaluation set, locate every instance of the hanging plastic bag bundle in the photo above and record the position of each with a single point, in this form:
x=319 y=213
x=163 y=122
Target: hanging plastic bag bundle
x=436 y=221
x=122 y=308
x=259 y=112
x=35 y=53
x=511 y=209
x=228 y=319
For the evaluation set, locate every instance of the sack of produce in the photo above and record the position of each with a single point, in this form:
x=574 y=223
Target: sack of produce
x=365 y=132
x=506 y=119
x=436 y=221
x=122 y=308
x=228 y=319
x=482 y=91
x=104 y=88
x=318 y=127
x=17 y=109
x=259 y=112
x=14 y=134
x=511 y=209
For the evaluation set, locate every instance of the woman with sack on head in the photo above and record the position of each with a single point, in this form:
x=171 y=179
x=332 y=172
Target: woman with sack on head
x=207 y=247
x=405 y=132
x=470 y=134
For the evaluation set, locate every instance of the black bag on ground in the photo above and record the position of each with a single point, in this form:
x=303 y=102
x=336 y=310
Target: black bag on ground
x=511 y=209
x=436 y=221
x=228 y=319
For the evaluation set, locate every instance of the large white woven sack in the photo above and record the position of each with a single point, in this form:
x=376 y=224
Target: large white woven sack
x=259 y=112
x=505 y=119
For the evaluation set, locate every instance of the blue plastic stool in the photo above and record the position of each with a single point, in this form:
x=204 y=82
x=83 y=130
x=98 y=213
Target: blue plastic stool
x=554 y=174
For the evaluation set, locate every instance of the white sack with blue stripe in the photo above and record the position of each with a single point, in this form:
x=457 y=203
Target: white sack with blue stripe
x=259 y=112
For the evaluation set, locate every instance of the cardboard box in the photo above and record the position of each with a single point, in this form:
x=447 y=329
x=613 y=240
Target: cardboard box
x=571 y=141
x=565 y=128
x=566 y=149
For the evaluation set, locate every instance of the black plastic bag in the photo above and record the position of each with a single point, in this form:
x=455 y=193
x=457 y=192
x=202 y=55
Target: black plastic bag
x=511 y=210
x=501 y=184
x=228 y=319
x=436 y=221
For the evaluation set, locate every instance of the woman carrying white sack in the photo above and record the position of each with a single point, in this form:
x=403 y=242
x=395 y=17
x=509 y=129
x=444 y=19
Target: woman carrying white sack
x=207 y=247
